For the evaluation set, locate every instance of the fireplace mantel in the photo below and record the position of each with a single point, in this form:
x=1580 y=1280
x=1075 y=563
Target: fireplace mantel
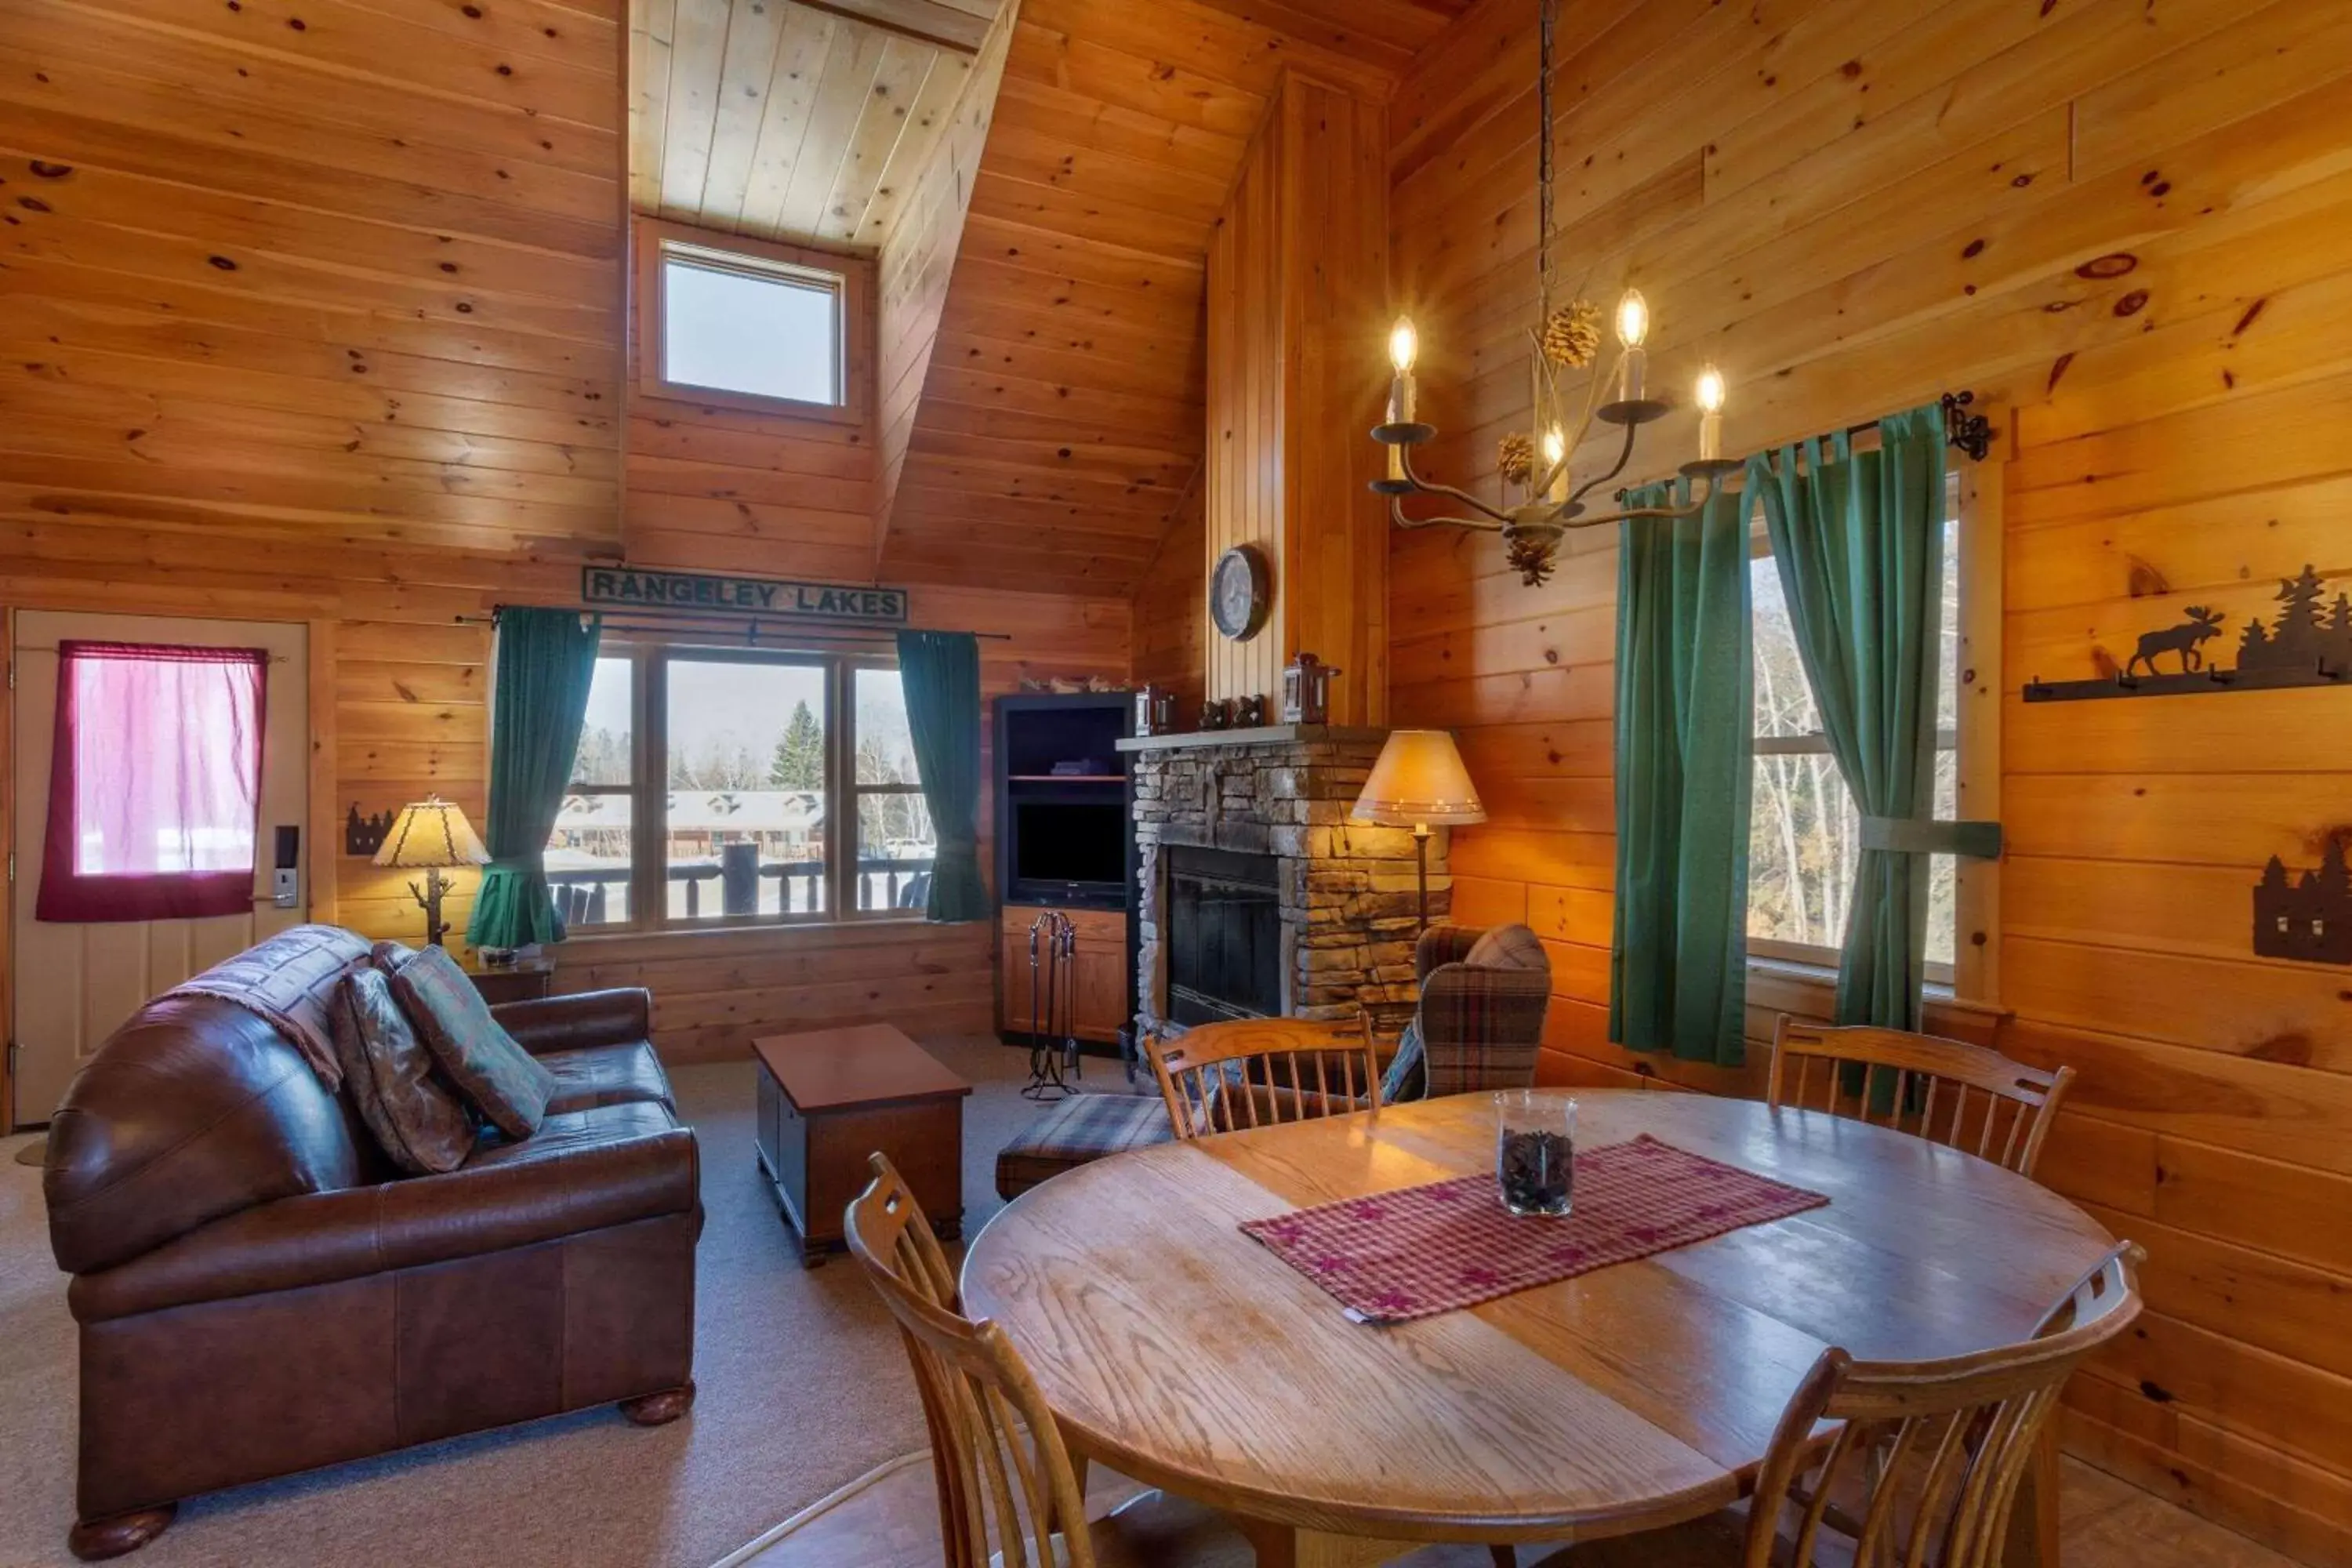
x=1262 y=735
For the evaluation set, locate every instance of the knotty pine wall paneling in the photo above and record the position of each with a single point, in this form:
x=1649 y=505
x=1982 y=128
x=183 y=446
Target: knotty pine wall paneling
x=1297 y=279
x=1171 y=628
x=312 y=314
x=2129 y=231
x=325 y=323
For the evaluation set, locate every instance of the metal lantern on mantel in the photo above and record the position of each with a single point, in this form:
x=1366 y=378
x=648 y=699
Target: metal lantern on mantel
x=1306 y=690
x=1155 y=711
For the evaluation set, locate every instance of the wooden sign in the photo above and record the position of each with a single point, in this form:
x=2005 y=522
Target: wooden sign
x=642 y=590
x=2307 y=643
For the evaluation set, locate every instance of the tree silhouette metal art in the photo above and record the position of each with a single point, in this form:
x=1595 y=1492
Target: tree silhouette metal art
x=2307 y=643
x=2307 y=918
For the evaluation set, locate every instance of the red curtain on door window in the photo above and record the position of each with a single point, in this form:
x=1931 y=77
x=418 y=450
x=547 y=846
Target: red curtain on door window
x=155 y=782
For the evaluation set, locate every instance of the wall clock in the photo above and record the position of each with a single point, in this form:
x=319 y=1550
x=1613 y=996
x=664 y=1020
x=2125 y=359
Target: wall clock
x=1239 y=592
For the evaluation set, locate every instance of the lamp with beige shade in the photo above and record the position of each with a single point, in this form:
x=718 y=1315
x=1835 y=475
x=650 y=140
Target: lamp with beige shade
x=1418 y=782
x=429 y=834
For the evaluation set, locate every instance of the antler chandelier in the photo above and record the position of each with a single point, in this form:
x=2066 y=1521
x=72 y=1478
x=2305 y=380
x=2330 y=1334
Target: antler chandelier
x=1566 y=337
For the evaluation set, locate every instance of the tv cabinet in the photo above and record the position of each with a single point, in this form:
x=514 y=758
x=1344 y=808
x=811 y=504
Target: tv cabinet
x=1057 y=762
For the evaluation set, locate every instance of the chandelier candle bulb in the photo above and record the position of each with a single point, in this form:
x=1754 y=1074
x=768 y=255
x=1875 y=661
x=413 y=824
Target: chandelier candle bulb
x=1710 y=414
x=1632 y=328
x=1555 y=447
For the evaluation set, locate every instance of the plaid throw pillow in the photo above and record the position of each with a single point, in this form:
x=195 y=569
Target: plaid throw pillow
x=495 y=1075
x=419 y=1125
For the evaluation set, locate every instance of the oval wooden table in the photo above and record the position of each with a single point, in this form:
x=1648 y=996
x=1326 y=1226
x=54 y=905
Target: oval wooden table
x=1178 y=1350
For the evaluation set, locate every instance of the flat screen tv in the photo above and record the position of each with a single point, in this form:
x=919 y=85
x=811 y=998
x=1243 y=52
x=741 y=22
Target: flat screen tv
x=1069 y=848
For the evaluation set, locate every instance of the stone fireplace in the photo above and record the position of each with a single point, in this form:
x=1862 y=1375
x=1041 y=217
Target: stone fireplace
x=1257 y=895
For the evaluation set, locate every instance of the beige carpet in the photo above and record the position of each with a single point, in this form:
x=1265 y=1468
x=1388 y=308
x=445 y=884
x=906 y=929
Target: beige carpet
x=803 y=1388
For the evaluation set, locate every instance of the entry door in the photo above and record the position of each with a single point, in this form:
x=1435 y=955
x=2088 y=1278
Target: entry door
x=76 y=981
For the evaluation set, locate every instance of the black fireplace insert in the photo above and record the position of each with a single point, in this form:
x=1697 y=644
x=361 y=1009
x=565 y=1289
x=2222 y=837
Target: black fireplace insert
x=1223 y=935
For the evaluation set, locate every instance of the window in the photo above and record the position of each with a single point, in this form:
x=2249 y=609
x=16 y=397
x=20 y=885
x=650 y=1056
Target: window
x=1804 y=834
x=156 y=784
x=738 y=323
x=708 y=783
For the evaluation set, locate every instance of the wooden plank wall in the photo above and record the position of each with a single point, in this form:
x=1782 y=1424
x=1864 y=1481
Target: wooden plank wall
x=324 y=323
x=315 y=318
x=2129 y=229
x=1295 y=373
x=1171 y=626
x=723 y=488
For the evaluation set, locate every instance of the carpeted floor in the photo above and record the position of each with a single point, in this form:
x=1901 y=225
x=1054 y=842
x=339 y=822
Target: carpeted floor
x=803 y=1388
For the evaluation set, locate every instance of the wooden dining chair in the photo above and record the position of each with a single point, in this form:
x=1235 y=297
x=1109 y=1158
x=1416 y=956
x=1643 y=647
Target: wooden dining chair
x=1008 y=1492
x=1923 y=1467
x=1970 y=1097
x=1258 y=1072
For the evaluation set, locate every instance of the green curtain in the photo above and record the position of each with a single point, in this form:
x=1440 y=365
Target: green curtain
x=940 y=672
x=1678 y=961
x=1859 y=538
x=546 y=659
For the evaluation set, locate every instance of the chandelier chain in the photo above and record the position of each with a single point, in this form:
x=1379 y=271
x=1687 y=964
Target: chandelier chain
x=1546 y=22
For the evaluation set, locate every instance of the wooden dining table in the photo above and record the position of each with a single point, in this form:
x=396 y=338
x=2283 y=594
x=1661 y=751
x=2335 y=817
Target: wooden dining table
x=1178 y=1350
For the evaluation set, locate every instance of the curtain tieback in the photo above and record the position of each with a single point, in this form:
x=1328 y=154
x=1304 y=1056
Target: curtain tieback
x=958 y=844
x=1925 y=836
x=518 y=865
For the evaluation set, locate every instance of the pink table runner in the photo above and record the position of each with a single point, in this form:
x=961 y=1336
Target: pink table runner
x=1395 y=1256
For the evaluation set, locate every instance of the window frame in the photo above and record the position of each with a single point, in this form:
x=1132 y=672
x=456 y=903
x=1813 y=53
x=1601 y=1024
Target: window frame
x=852 y=276
x=650 y=662
x=1973 y=735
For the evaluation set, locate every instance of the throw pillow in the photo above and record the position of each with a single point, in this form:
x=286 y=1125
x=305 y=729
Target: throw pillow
x=1507 y=947
x=419 y=1125
x=506 y=1083
x=1408 y=1073
x=389 y=955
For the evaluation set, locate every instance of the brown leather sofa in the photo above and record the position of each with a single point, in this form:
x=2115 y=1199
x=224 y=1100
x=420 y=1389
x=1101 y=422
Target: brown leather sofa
x=258 y=1293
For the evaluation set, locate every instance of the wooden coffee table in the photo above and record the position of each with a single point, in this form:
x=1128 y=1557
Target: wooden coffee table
x=829 y=1099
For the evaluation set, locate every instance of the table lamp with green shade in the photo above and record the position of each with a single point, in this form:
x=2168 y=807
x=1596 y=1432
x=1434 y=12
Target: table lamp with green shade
x=1418 y=782
x=428 y=836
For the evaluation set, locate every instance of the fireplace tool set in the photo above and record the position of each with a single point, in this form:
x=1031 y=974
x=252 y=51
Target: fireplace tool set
x=1052 y=1008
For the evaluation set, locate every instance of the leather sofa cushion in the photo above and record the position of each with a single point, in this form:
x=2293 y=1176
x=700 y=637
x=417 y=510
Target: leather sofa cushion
x=494 y=1074
x=583 y=1171
x=606 y=1075
x=388 y=1072
x=619 y=1016
x=194 y=1108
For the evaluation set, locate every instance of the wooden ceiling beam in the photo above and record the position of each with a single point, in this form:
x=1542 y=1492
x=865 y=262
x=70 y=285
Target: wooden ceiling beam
x=942 y=27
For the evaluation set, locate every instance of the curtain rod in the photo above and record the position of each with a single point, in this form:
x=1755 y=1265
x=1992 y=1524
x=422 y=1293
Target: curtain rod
x=750 y=628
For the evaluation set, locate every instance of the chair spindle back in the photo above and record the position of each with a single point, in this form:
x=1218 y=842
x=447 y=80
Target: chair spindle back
x=1261 y=1072
x=1005 y=1481
x=1949 y=1091
x=1924 y=1468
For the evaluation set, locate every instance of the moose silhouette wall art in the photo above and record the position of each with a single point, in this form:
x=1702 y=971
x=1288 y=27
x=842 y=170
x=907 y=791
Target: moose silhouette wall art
x=2307 y=643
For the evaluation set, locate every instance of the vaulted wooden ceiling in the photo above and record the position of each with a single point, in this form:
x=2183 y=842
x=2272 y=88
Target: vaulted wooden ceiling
x=791 y=122
x=1060 y=421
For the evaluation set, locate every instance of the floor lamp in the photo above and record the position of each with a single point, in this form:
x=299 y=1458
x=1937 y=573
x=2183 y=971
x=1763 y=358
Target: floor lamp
x=1418 y=782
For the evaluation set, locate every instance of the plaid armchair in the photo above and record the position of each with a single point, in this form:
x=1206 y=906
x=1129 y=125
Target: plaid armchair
x=1483 y=998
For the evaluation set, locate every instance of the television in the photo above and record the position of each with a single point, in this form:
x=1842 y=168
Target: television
x=1068 y=847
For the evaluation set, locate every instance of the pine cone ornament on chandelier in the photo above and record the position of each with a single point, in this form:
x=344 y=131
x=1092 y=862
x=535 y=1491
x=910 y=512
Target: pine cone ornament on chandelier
x=1572 y=335
x=1514 y=459
x=1531 y=559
